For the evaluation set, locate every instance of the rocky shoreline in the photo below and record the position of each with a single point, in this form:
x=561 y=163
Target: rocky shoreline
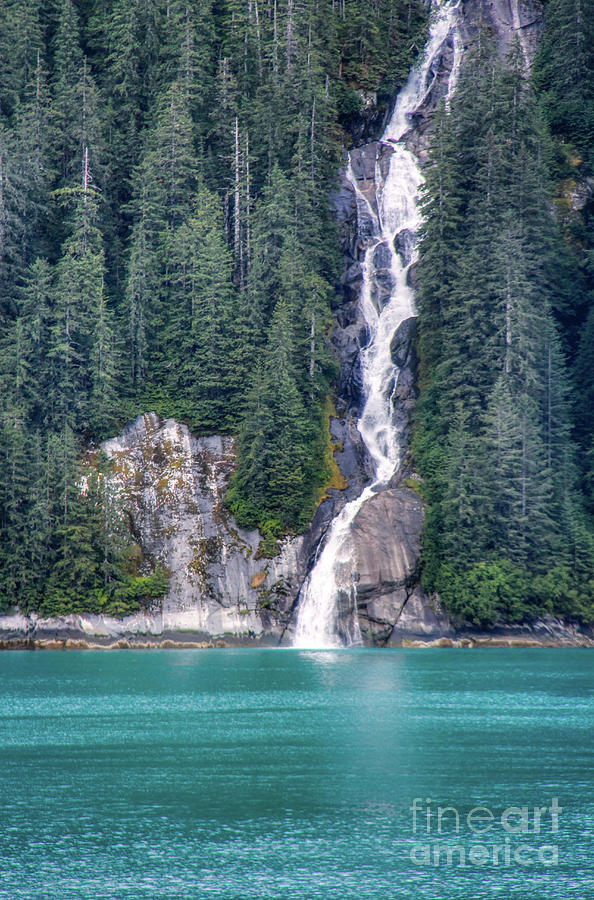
x=24 y=634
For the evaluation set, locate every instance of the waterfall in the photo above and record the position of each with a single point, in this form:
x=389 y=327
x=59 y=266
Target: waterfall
x=394 y=227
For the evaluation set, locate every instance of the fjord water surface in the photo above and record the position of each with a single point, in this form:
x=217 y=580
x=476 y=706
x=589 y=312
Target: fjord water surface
x=239 y=774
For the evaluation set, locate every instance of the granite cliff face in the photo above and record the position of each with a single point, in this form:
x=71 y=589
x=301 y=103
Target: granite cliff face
x=391 y=605
x=509 y=20
x=172 y=486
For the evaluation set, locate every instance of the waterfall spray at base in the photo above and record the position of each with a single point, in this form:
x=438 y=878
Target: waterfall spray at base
x=395 y=224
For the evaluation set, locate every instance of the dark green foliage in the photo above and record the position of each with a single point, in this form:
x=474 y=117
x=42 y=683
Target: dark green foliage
x=92 y=570
x=563 y=71
x=564 y=80
x=204 y=328
x=493 y=424
x=276 y=468
x=499 y=591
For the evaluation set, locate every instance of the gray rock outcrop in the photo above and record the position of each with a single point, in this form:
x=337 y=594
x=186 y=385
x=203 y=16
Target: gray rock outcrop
x=387 y=546
x=171 y=486
x=510 y=21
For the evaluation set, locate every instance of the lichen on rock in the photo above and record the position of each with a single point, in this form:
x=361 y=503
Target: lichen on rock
x=171 y=486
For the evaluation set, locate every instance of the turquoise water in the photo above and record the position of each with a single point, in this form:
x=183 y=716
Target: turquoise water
x=282 y=774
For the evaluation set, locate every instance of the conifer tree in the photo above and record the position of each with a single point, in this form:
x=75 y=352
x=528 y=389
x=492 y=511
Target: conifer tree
x=81 y=341
x=564 y=67
x=202 y=342
x=164 y=185
x=276 y=472
x=75 y=119
x=21 y=46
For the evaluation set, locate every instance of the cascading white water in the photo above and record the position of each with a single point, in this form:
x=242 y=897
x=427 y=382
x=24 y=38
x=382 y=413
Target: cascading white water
x=397 y=219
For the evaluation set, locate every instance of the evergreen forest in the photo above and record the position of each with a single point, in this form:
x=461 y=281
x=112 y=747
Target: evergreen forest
x=168 y=243
x=505 y=422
